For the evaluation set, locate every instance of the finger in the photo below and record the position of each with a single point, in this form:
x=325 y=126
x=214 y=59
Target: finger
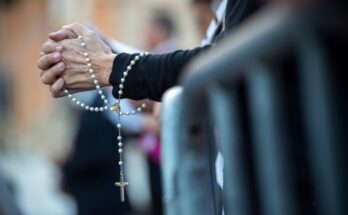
x=47 y=60
x=57 y=88
x=50 y=46
x=50 y=76
x=77 y=29
x=62 y=34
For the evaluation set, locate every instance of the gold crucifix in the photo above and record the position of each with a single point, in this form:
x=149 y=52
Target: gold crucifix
x=122 y=184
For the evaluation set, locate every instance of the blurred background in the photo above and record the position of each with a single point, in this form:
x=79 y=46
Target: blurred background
x=38 y=134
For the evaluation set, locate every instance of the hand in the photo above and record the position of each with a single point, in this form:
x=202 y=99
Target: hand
x=64 y=52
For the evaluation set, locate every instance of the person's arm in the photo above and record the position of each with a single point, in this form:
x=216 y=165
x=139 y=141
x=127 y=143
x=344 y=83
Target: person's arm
x=152 y=75
x=64 y=65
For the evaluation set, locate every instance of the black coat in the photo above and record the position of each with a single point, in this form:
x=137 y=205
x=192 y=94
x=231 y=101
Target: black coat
x=154 y=74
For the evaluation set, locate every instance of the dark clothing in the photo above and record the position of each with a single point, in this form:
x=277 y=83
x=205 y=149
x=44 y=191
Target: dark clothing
x=154 y=74
x=91 y=170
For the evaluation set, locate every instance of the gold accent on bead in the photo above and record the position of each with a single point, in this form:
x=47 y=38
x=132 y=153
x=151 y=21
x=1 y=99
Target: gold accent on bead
x=117 y=108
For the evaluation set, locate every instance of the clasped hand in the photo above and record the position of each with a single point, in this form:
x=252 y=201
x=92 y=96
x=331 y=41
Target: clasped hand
x=63 y=64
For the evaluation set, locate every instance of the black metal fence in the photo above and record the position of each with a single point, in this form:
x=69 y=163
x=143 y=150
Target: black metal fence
x=272 y=99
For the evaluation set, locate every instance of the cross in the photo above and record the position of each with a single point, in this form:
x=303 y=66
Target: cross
x=122 y=184
x=117 y=108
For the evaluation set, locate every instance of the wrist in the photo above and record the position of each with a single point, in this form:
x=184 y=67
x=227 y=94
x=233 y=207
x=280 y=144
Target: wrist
x=104 y=79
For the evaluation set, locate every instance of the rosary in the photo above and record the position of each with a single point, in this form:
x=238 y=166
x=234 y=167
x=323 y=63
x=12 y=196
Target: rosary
x=115 y=108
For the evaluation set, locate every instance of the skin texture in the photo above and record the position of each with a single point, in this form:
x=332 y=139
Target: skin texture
x=63 y=64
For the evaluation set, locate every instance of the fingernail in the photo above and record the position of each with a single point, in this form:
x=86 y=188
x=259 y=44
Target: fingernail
x=56 y=56
x=60 y=81
x=59 y=48
x=60 y=66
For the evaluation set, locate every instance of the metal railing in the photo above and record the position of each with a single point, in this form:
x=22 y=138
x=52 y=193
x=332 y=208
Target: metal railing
x=264 y=99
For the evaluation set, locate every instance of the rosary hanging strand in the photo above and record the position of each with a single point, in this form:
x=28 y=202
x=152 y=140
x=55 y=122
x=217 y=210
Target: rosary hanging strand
x=116 y=108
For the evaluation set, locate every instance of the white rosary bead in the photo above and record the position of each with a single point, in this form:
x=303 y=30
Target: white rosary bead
x=120 y=163
x=106 y=101
x=120 y=151
x=83 y=44
x=87 y=107
x=125 y=73
x=91 y=109
x=106 y=107
x=85 y=54
x=97 y=87
x=133 y=112
x=143 y=105
x=95 y=81
x=89 y=65
x=137 y=58
x=118 y=125
x=129 y=68
x=101 y=109
x=120 y=144
x=102 y=97
x=82 y=105
x=139 y=109
x=88 y=60
x=119 y=138
x=93 y=76
x=132 y=62
x=69 y=95
x=120 y=92
x=91 y=70
x=78 y=102
x=80 y=37
x=96 y=109
x=66 y=91
x=73 y=99
x=100 y=92
x=121 y=86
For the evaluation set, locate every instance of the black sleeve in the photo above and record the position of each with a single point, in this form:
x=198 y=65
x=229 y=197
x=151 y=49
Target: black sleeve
x=152 y=75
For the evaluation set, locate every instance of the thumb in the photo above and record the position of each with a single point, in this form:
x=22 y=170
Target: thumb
x=77 y=29
x=62 y=34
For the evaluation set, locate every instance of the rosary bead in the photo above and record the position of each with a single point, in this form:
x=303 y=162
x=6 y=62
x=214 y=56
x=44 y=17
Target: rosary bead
x=88 y=60
x=102 y=97
x=132 y=62
x=118 y=125
x=106 y=101
x=120 y=151
x=137 y=58
x=98 y=87
x=69 y=95
x=80 y=37
x=91 y=70
x=143 y=105
x=133 y=112
x=95 y=81
x=123 y=80
x=66 y=91
x=121 y=86
x=129 y=68
x=112 y=108
x=120 y=92
x=85 y=54
x=100 y=92
x=125 y=73
x=120 y=163
x=73 y=99
x=77 y=102
x=93 y=76
x=120 y=144
x=127 y=113
x=139 y=109
x=142 y=54
x=119 y=138
x=82 y=105
x=87 y=107
x=91 y=109
x=89 y=65
x=83 y=44
x=96 y=109
x=101 y=109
